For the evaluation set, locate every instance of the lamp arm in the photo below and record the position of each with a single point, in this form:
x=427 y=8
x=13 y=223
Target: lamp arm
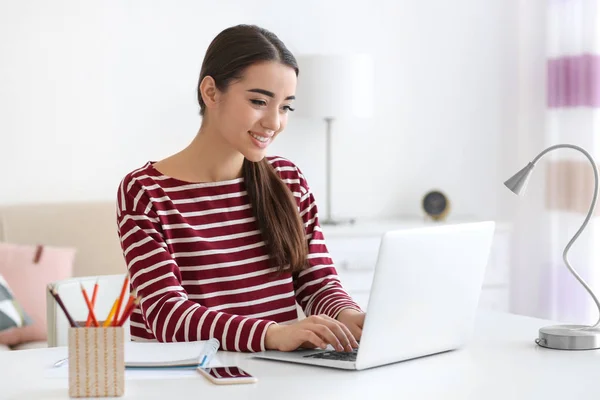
x=585 y=222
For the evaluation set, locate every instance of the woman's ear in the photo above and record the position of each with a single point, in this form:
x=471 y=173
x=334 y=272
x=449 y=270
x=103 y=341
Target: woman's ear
x=208 y=90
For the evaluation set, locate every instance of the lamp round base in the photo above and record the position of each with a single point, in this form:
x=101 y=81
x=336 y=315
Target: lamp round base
x=569 y=337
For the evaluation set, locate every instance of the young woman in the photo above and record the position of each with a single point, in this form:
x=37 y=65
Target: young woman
x=221 y=240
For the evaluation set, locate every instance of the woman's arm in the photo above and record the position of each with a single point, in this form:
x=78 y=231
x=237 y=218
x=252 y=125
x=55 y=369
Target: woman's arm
x=155 y=276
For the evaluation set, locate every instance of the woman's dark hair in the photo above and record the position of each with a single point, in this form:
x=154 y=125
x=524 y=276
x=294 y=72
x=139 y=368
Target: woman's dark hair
x=273 y=205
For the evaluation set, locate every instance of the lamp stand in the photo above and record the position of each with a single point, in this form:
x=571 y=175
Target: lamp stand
x=566 y=337
x=328 y=220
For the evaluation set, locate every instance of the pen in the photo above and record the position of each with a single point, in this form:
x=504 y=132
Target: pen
x=60 y=362
x=208 y=351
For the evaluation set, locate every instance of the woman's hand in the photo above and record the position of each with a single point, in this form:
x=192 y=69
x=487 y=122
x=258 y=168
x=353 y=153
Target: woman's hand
x=353 y=320
x=311 y=332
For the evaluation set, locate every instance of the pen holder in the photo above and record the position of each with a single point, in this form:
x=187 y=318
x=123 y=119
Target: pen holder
x=96 y=362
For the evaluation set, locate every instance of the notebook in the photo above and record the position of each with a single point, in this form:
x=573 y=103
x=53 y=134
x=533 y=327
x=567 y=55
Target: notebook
x=165 y=355
x=151 y=360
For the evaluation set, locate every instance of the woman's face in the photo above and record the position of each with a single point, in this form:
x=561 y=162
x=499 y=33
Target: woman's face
x=254 y=110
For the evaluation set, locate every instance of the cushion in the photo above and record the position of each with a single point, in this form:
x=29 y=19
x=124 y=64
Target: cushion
x=29 y=269
x=11 y=312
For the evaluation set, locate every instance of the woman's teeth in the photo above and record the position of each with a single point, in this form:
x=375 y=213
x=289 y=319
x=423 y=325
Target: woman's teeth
x=259 y=138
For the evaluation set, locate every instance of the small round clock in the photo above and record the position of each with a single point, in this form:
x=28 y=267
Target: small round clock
x=436 y=205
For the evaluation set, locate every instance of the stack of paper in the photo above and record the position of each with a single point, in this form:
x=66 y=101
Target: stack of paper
x=153 y=360
x=162 y=355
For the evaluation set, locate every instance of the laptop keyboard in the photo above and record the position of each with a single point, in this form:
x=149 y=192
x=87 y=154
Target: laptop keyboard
x=335 y=355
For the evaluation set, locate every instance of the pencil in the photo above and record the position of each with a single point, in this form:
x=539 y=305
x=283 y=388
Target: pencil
x=127 y=307
x=111 y=314
x=89 y=305
x=54 y=294
x=127 y=312
x=89 y=318
x=119 y=303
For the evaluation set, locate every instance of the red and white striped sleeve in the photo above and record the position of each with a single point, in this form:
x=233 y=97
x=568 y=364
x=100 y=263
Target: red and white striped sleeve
x=155 y=276
x=318 y=287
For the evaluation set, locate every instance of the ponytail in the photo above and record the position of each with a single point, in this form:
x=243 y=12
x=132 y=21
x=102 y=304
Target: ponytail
x=277 y=217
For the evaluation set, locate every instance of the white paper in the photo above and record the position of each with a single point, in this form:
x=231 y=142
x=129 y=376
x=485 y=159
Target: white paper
x=151 y=352
x=136 y=374
x=162 y=353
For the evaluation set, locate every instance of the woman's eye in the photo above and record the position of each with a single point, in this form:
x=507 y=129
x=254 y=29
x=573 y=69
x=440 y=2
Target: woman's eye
x=259 y=102
x=288 y=108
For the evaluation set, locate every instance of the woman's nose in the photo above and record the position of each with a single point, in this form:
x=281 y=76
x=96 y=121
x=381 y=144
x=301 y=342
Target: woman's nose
x=271 y=121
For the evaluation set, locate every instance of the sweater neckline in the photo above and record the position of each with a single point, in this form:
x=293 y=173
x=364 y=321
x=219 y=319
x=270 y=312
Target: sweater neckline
x=157 y=174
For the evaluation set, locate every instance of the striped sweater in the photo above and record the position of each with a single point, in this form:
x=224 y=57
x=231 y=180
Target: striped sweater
x=195 y=256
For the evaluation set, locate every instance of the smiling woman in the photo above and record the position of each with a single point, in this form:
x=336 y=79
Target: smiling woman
x=222 y=241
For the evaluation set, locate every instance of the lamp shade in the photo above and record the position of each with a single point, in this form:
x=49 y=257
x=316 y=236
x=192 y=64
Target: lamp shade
x=518 y=182
x=334 y=86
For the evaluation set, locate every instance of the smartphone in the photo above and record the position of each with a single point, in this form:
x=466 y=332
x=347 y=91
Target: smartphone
x=227 y=375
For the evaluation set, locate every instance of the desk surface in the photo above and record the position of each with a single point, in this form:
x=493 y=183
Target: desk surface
x=502 y=362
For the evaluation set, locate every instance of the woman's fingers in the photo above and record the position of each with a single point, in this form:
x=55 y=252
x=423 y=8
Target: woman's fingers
x=327 y=335
x=349 y=333
x=342 y=332
x=356 y=332
x=311 y=337
x=336 y=333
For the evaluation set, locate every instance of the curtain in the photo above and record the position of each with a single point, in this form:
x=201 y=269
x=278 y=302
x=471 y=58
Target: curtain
x=572 y=116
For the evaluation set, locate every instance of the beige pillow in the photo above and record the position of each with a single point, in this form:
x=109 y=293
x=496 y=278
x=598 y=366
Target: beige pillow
x=28 y=269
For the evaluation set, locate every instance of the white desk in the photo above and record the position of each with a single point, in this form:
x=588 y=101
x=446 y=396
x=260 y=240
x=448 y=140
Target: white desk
x=493 y=366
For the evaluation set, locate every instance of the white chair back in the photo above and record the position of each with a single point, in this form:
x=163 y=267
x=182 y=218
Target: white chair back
x=69 y=290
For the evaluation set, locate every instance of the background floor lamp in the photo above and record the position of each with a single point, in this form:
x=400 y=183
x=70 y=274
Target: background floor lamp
x=332 y=87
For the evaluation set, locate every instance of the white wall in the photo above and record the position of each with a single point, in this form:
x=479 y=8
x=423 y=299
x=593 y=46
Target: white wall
x=91 y=90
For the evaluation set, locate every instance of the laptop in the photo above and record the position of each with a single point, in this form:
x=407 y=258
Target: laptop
x=423 y=301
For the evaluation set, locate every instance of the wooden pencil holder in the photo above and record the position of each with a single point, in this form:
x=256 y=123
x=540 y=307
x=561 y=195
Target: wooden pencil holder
x=96 y=362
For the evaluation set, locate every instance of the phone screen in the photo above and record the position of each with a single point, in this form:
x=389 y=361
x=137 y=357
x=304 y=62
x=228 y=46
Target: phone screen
x=227 y=372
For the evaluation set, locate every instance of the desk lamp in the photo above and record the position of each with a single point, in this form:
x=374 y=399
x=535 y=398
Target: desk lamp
x=565 y=337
